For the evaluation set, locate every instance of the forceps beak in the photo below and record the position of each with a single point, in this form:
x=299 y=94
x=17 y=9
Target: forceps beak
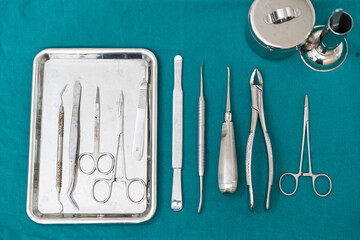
x=121 y=113
x=259 y=77
x=306 y=109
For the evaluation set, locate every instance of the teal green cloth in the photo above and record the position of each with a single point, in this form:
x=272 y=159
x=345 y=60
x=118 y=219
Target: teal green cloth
x=212 y=31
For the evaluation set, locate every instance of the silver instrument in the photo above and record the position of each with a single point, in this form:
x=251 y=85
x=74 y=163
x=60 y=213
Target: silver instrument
x=201 y=135
x=296 y=176
x=96 y=156
x=122 y=178
x=177 y=135
x=257 y=110
x=74 y=142
x=139 y=134
x=326 y=48
x=60 y=147
x=228 y=170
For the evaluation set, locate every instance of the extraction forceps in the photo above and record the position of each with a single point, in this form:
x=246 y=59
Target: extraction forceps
x=301 y=173
x=60 y=144
x=96 y=155
x=257 y=110
x=123 y=178
x=74 y=142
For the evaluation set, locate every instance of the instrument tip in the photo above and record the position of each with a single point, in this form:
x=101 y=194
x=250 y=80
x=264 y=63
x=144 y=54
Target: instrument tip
x=202 y=79
x=61 y=93
x=178 y=58
x=228 y=107
x=201 y=192
x=97 y=95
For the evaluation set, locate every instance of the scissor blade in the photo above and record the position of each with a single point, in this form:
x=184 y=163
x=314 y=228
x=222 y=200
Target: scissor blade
x=97 y=121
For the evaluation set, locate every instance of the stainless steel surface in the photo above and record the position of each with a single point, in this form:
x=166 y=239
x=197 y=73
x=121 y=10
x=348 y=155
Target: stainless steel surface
x=96 y=157
x=296 y=176
x=201 y=135
x=113 y=71
x=277 y=28
x=74 y=142
x=257 y=110
x=326 y=49
x=228 y=170
x=60 y=148
x=109 y=182
x=139 y=133
x=177 y=137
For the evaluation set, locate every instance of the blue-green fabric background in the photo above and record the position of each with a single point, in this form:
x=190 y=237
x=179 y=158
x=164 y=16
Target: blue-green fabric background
x=212 y=31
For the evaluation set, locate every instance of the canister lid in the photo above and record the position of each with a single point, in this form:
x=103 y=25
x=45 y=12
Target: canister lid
x=281 y=24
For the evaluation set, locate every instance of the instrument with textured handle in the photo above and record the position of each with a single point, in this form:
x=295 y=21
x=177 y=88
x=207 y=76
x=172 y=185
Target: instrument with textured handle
x=60 y=149
x=201 y=136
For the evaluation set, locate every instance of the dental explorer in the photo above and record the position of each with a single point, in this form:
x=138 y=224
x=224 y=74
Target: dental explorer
x=257 y=110
x=60 y=142
x=201 y=135
x=74 y=142
x=177 y=137
x=228 y=171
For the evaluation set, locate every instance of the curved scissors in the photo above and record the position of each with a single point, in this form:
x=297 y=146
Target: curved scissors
x=97 y=155
x=301 y=173
x=123 y=178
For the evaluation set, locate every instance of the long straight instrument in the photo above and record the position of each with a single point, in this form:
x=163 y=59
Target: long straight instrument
x=177 y=137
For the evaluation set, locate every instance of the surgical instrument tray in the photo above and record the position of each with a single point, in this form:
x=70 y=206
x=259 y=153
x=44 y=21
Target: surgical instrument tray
x=113 y=71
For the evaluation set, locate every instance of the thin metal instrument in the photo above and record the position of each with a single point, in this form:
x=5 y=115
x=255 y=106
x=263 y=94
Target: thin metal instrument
x=74 y=142
x=122 y=178
x=296 y=176
x=201 y=135
x=139 y=134
x=228 y=170
x=257 y=110
x=60 y=144
x=177 y=137
x=96 y=155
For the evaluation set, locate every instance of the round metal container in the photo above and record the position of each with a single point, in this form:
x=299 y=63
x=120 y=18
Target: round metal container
x=279 y=27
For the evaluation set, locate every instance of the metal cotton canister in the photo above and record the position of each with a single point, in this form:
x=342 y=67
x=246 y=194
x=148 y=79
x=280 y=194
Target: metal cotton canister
x=277 y=28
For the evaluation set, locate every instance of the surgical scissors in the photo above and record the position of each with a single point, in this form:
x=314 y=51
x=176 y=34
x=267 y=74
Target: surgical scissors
x=257 y=110
x=301 y=173
x=96 y=155
x=123 y=178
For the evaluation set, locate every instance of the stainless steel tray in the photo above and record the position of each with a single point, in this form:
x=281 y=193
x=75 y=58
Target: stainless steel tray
x=113 y=71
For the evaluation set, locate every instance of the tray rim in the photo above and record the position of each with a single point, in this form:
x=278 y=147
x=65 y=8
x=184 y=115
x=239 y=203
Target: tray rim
x=29 y=198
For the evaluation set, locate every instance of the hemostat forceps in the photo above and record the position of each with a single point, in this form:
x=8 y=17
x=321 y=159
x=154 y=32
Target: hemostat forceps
x=301 y=173
x=120 y=152
x=257 y=109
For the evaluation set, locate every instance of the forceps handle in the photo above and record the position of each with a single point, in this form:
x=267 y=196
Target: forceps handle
x=271 y=166
x=296 y=177
x=249 y=147
x=314 y=177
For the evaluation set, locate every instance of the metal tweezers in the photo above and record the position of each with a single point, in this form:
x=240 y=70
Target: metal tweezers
x=257 y=109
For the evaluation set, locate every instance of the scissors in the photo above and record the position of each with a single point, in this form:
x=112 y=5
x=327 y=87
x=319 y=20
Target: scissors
x=301 y=173
x=123 y=178
x=96 y=155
